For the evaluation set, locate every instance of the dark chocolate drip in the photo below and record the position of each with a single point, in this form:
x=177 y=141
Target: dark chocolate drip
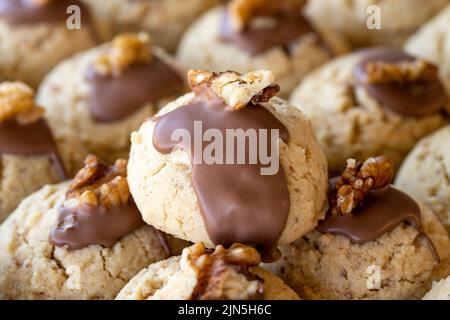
x=164 y=242
x=289 y=26
x=412 y=99
x=84 y=225
x=237 y=203
x=383 y=210
x=113 y=98
x=28 y=12
x=31 y=139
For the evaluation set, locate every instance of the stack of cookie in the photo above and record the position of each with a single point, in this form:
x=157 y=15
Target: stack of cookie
x=129 y=173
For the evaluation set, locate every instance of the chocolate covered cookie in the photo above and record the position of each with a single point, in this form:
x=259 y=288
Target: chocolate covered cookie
x=102 y=95
x=201 y=274
x=29 y=155
x=82 y=239
x=376 y=242
x=374 y=101
x=37 y=34
x=229 y=162
x=247 y=35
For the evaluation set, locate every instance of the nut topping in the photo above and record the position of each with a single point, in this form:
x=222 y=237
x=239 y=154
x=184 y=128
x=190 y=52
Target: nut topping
x=242 y=11
x=126 y=50
x=17 y=101
x=417 y=70
x=224 y=273
x=98 y=184
x=236 y=90
x=358 y=179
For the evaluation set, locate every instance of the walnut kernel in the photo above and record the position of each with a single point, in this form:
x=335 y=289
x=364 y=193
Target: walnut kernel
x=17 y=101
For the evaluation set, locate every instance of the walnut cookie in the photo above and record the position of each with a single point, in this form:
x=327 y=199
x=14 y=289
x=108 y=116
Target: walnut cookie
x=35 y=37
x=100 y=96
x=163 y=184
x=76 y=240
x=164 y=20
x=29 y=156
x=375 y=243
x=398 y=19
x=200 y=274
x=248 y=35
x=374 y=101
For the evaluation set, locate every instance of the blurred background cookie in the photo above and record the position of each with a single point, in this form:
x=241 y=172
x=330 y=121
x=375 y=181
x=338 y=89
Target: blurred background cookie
x=164 y=20
x=82 y=239
x=398 y=19
x=200 y=274
x=425 y=174
x=375 y=243
x=29 y=155
x=35 y=36
x=250 y=35
x=102 y=95
x=373 y=101
x=432 y=43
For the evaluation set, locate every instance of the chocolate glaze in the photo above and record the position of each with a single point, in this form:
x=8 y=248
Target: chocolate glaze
x=26 y=12
x=113 y=98
x=31 y=139
x=289 y=27
x=411 y=99
x=383 y=210
x=237 y=203
x=84 y=225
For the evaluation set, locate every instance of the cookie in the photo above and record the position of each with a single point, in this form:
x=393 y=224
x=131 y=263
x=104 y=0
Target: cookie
x=36 y=35
x=102 y=95
x=432 y=42
x=374 y=101
x=76 y=240
x=275 y=36
x=29 y=156
x=164 y=20
x=440 y=290
x=357 y=20
x=375 y=243
x=425 y=173
x=236 y=201
x=199 y=274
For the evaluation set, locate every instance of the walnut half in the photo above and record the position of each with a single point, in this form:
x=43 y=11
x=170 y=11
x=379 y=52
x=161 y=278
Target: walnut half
x=236 y=90
x=127 y=49
x=99 y=184
x=17 y=101
x=348 y=191
x=224 y=273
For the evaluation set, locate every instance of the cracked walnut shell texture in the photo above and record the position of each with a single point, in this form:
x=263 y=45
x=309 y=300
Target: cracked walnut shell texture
x=32 y=268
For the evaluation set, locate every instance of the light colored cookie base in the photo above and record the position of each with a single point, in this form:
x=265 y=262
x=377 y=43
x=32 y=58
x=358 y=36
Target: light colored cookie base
x=325 y=266
x=149 y=282
x=65 y=96
x=201 y=48
x=425 y=174
x=27 y=53
x=399 y=19
x=162 y=188
x=350 y=123
x=440 y=291
x=164 y=20
x=32 y=268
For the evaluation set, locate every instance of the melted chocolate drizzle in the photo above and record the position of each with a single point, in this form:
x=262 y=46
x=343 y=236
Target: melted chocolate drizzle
x=84 y=225
x=31 y=139
x=289 y=26
x=411 y=99
x=237 y=203
x=27 y=12
x=383 y=210
x=113 y=98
